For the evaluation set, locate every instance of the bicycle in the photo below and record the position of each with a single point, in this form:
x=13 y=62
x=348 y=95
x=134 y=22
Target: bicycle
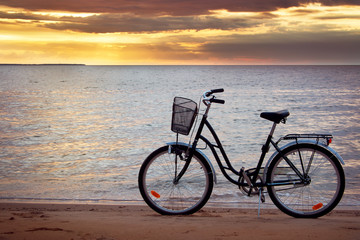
x=304 y=178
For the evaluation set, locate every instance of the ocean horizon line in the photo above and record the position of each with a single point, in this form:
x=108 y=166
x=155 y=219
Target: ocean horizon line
x=83 y=64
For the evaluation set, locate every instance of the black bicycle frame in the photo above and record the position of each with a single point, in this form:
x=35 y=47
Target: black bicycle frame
x=253 y=178
x=205 y=122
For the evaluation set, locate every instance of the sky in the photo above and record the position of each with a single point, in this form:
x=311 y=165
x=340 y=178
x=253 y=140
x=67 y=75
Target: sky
x=173 y=32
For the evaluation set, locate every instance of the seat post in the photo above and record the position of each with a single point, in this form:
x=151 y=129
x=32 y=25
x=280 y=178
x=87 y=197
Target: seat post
x=272 y=129
x=266 y=146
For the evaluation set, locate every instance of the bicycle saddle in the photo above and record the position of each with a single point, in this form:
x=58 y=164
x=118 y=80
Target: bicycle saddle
x=276 y=117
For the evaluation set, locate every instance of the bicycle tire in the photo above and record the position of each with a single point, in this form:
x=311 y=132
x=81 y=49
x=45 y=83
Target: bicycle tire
x=311 y=200
x=159 y=191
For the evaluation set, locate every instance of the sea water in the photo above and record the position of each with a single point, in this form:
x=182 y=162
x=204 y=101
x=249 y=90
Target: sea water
x=80 y=133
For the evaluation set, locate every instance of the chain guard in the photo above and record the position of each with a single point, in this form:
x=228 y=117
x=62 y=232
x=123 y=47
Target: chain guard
x=245 y=189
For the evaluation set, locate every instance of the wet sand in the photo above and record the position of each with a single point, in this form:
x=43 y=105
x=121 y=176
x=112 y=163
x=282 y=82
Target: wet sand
x=112 y=222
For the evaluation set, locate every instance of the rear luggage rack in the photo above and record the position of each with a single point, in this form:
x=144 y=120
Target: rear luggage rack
x=327 y=137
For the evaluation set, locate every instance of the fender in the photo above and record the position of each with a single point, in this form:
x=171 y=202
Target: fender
x=200 y=152
x=309 y=141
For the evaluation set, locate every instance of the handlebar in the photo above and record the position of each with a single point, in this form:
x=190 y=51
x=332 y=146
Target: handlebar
x=218 y=90
x=217 y=101
x=208 y=98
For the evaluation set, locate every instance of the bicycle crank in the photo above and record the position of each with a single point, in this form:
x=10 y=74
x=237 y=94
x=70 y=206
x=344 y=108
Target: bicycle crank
x=249 y=189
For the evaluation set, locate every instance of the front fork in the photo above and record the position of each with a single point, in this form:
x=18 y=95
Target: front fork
x=187 y=158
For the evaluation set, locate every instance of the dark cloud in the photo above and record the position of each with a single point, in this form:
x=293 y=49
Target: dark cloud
x=164 y=7
x=148 y=16
x=23 y=16
x=106 y=23
x=110 y=22
x=326 y=47
x=339 y=16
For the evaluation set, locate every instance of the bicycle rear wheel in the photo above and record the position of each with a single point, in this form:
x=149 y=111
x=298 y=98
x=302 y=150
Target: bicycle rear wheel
x=316 y=196
x=157 y=187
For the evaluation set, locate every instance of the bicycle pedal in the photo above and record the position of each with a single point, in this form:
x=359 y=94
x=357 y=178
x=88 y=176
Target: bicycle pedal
x=262 y=196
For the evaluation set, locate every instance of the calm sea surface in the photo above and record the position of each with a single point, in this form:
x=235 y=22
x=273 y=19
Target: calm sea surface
x=80 y=133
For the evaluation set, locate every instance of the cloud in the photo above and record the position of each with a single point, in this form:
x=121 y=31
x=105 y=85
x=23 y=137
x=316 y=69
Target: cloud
x=135 y=17
x=112 y=22
x=325 y=47
x=23 y=16
x=107 y=23
x=339 y=16
x=165 y=7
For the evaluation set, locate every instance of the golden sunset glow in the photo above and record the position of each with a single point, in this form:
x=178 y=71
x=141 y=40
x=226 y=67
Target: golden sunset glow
x=301 y=34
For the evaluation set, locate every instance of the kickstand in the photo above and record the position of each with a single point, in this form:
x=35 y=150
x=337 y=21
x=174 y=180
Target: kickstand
x=260 y=200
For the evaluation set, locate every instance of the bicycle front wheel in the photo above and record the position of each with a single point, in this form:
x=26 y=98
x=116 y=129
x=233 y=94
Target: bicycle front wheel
x=168 y=197
x=313 y=197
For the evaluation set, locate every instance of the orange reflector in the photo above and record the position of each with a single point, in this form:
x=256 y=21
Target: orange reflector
x=155 y=194
x=317 y=206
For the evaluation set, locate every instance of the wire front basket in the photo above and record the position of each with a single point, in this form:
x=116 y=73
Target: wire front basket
x=183 y=115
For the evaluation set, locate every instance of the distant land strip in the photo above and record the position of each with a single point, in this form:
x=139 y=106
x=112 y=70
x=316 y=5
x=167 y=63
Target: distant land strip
x=42 y=64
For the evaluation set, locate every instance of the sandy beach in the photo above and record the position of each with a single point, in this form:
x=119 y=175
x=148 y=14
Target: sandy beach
x=111 y=222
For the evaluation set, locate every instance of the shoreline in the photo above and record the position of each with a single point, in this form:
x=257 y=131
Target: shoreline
x=110 y=222
x=210 y=204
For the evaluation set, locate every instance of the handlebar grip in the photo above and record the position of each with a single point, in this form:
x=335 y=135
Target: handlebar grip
x=214 y=100
x=218 y=90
